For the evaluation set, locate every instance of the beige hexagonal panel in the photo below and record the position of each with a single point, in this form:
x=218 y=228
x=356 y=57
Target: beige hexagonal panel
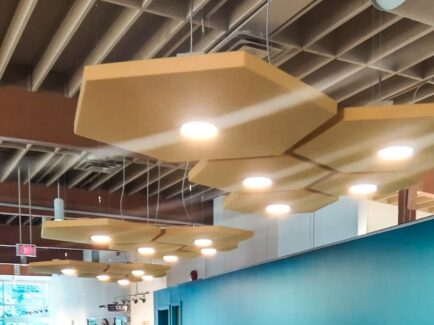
x=300 y=201
x=286 y=173
x=159 y=247
x=156 y=270
x=56 y=266
x=140 y=106
x=81 y=230
x=338 y=184
x=351 y=143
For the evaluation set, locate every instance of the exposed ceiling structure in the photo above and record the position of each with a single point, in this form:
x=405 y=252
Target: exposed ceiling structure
x=352 y=52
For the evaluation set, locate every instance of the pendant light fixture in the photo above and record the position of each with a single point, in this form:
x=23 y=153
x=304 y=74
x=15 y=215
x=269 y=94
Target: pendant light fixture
x=59 y=209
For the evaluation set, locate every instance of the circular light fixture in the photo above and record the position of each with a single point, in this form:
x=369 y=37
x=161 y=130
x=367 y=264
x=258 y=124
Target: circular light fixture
x=138 y=273
x=278 y=209
x=170 y=258
x=147 y=278
x=69 y=272
x=395 y=153
x=198 y=131
x=123 y=282
x=203 y=242
x=208 y=251
x=147 y=251
x=363 y=189
x=103 y=277
x=387 y=4
x=257 y=183
x=101 y=239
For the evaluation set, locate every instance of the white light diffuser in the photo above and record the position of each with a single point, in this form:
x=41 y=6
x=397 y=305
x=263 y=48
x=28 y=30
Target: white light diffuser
x=203 y=242
x=278 y=209
x=170 y=258
x=198 y=131
x=363 y=189
x=257 y=183
x=395 y=153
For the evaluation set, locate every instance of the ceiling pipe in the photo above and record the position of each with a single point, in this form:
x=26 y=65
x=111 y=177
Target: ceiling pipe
x=418 y=10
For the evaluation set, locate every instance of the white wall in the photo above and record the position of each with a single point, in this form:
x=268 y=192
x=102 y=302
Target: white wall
x=143 y=313
x=74 y=299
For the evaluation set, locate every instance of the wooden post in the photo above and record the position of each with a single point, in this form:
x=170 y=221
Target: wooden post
x=407 y=204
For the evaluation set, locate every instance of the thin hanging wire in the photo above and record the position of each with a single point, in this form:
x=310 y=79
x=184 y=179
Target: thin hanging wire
x=30 y=207
x=58 y=188
x=191 y=26
x=147 y=192
x=182 y=193
x=19 y=205
x=158 y=195
x=121 y=201
x=267 y=31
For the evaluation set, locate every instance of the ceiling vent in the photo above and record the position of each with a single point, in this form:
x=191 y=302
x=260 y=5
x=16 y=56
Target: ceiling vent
x=99 y=165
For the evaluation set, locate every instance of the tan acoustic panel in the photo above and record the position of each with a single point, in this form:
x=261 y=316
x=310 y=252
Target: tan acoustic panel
x=56 y=266
x=218 y=234
x=287 y=173
x=156 y=270
x=350 y=145
x=300 y=201
x=140 y=106
x=159 y=247
x=80 y=230
x=338 y=184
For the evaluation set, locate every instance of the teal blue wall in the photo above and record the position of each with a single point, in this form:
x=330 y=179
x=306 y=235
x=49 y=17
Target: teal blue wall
x=387 y=278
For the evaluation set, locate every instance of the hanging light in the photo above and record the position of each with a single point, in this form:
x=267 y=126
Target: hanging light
x=395 y=153
x=363 y=189
x=278 y=209
x=69 y=272
x=138 y=273
x=147 y=277
x=101 y=239
x=257 y=183
x=146 y=251
x=208 y=251
x=59 y=208
x=198 y=131
x=123 y=282
x=203 y=242
x=387 y=5
x=103 y=277
x=170 y=258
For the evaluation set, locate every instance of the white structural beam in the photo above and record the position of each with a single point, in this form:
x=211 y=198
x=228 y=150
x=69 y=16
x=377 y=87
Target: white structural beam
x=67 y=29
x=19 y=21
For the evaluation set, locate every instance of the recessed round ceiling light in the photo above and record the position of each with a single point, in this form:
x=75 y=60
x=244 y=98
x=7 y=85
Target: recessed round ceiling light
x=123 y=282
x=138 y=273
x=69 y=272
x=203 y=242
x=170 y=258
x=395 y=153
x=257 y=183
x=101 y=239
x=387 y=4
x=363 y=189
x=147 y=251
x=147 y=278
x=199 y=131
x=103 y=277
x=208 y=251
x=278 y=209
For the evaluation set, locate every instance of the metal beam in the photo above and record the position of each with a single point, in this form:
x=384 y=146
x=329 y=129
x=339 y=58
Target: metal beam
x=13 y=162
x=40 y=164
x=71 y=162
x=132 y=4
x=11 y=219
x=81 y=175
x=104 y=178
x=114 y=34
x=180 y=190
x=152 y=180
x=133 y=173
x=167 y=183
x=69 y=26
x=19 y=21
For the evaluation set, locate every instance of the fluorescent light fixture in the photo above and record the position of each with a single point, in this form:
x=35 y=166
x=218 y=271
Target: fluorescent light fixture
x=387 y=4
x=257 y=183
x=363 y=189
x=147 y=251
x=208 y=251
x=101 y=239
x=147 y=278
x=203 y=242
x=395 y=153
x=170 y=258
x=103 y=277
x=278 y=209
x=198 y=131
x=69 y=272
x=138 y=273
x=123 y=282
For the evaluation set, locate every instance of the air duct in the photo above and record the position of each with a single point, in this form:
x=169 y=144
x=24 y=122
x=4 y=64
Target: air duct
x=417 y=10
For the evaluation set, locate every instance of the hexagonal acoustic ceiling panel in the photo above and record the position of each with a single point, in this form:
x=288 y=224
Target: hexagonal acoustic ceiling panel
x=141 y=106
x=91 y=269
x=285 y=173
x=300 y=201
x=350 y=144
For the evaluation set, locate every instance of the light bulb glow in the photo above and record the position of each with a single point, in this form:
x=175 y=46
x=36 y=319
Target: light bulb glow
x=198 y=131
x=395 y=153
x=138 y=273
x=103 y=277
x=363 y=189
x=257 y=183
x=208 y=251
x=147 y=251
x=123 y=282
x=203 y=242
x=278 y=209
x=101 y=239
x=170 y=258
x=147 y=278
x=69 y=272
